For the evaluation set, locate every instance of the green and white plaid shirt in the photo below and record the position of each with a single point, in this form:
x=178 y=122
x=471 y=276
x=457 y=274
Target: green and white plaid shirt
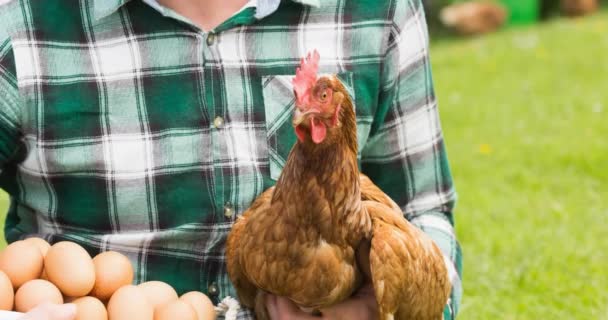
x=125 y=127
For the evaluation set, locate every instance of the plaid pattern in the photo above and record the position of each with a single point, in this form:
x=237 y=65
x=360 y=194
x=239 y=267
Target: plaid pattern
x=124 y=127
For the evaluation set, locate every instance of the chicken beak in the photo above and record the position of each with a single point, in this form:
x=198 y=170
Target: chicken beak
x=299 y=116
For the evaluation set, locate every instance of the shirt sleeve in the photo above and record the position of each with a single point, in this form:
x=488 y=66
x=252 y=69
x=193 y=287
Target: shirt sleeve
x=9 y=104
x=405 y=154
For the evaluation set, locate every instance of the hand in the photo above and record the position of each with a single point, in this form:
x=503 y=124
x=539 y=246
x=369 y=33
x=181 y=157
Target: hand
x=49 y=311
x=281 y=308
x=361 y=306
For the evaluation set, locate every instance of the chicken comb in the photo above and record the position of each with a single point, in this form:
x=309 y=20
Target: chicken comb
x=306 y=76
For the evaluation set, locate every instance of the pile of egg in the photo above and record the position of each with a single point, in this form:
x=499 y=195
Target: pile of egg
x=32 y=272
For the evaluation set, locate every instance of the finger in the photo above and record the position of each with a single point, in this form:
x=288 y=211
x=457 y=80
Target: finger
x=292 y=311
x=289 y=310
x=271 y=306
x=354 y=308
x=64 y=312
x=49 y=311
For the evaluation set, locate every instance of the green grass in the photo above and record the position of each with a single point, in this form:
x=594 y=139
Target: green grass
x=525 y=114
x=525 y=117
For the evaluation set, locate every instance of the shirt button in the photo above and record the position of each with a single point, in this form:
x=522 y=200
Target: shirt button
x=228 y=210
x=218 y=122
x=211 y=38
x=213 y=290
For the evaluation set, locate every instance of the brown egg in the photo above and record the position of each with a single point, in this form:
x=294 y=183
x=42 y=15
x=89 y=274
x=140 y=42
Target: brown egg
x=158 y=293
x=90 y=308
x=34 y=293
x=40 y=243
x=175 y=310
x=202 y=305
x=112 y=271
x=22 y=262
x=130 y=303
x=7 y=295
x=70 y=268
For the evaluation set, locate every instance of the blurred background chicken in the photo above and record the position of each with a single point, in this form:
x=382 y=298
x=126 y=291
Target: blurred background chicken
x=325 y=230
x=576 y=8
x=471 y=18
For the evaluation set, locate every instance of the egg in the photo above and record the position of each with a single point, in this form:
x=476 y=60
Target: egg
x=158 y=293
x=90 y=308
x=130 y=303
x=21 y=262
x=34 y=293
x=40 y=243
x=70 y=268
x=112 y=271
x=202 y=305
x=175 y=310
x=7 y=295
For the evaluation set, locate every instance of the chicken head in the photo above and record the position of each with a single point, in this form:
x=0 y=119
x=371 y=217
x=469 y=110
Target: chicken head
x=318 y=101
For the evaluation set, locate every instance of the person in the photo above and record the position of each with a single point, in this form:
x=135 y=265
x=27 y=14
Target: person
x=147 y=127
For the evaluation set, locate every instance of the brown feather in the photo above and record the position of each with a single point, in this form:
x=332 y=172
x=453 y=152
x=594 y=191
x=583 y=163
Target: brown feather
x=247 y=292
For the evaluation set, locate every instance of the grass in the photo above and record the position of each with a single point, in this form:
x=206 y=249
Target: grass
x=524 y=113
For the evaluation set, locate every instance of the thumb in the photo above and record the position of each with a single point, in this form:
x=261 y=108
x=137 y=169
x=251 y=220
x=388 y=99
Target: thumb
x=63 y=312
x=49 y=311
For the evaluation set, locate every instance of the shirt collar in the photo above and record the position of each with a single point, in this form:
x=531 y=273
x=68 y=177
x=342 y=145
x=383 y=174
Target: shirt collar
x=104 y=8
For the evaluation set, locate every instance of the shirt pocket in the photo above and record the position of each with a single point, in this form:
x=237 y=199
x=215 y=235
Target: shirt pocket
x=279 y=105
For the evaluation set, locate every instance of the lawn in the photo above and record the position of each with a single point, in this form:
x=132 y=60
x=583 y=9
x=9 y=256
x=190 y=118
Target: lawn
x=524 y=113
x=525 y=117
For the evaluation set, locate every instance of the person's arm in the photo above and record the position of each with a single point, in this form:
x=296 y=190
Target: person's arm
x=405 y=154
x=10 y=114
x=10 y=138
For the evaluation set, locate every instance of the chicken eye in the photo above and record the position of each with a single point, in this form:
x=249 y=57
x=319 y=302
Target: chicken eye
x=324 y=95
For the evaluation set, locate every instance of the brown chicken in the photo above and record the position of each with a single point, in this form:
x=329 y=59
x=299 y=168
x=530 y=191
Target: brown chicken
x=325 y=229
x=472 y=18
x=574 y=8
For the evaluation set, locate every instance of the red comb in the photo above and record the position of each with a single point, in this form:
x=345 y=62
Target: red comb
x=306 y=76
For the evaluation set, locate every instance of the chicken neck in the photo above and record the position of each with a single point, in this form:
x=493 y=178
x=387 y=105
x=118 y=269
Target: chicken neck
x=322 y=180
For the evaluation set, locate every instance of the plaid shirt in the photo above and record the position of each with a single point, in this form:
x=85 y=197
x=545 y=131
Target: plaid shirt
x=125 y=127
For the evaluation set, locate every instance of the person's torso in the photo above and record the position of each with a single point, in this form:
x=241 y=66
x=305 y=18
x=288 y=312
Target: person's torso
x=146 y=136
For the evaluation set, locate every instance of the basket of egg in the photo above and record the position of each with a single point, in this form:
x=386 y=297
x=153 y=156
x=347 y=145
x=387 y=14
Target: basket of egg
x=33 y=272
